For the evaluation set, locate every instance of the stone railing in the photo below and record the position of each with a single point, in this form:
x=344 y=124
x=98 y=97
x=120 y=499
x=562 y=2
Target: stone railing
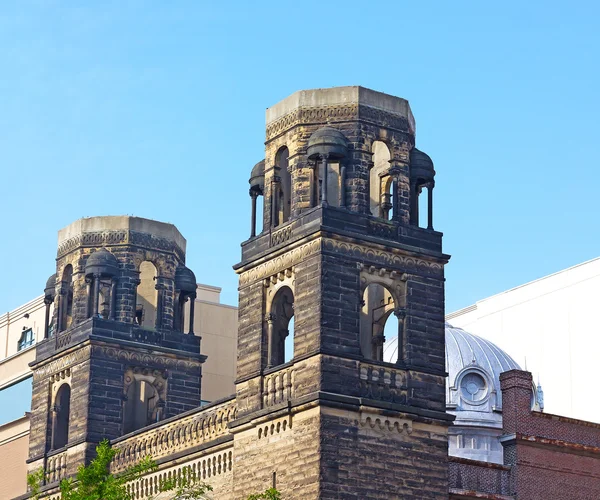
x=175 y=435
x=56 y=467
x=382 y=383
x=278 y=386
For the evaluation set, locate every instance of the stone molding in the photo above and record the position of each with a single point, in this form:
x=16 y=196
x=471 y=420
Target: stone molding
x=337 y=113
x=65 y=361
x=385 y=423
x=109 y=238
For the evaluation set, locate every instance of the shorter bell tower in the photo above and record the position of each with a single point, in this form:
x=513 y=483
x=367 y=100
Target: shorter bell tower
x=115 y=357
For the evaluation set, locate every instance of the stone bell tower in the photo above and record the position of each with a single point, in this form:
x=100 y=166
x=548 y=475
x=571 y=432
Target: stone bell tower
x=115 y=358
x=341 y=258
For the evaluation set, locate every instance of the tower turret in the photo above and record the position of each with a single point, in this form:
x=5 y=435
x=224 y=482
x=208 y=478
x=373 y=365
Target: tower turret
x=341 y=259
x=114 y=358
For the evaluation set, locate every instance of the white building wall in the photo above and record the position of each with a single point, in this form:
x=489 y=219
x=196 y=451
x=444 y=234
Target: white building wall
x=551 y=326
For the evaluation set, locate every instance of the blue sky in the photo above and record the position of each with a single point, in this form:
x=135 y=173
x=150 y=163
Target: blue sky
x=157 y=109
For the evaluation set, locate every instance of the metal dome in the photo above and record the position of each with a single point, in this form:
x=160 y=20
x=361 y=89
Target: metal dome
x=327 y=140
x=473 y=392
x=257 y=176
x=421 y=166
x=185 y=279
x=50 y=289
x=102 y=262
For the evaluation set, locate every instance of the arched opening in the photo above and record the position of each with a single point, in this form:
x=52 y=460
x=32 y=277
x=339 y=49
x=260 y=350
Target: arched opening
x=66 y=299
x=284 y=201
x=377 y=307
x=60 y=417
x=141 y=407
x=280 y=327
x=147 y=296
x=380 y=181
x=391 y=346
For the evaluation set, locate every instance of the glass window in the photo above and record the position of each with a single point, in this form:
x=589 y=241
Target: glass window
x=27 y=339
x=15 y=401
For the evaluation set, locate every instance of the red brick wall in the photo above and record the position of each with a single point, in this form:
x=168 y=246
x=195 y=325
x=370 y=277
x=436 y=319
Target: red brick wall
x=551 y=457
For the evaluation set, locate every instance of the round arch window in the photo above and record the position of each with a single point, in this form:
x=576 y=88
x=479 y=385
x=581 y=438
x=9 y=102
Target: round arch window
x=473 y=387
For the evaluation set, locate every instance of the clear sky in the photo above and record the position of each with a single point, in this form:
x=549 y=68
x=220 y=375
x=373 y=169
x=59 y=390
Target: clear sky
x=157 y=109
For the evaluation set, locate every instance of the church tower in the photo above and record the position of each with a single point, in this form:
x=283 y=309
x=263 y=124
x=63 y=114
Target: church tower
x=340 y=255
x=115 y=357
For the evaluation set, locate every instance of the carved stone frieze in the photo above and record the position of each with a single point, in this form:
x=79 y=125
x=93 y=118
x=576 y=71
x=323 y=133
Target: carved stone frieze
x=144 y=359
x=64 y=362
x=280 y=263
x=337 y=113
x=102 y=238
x=386 y=258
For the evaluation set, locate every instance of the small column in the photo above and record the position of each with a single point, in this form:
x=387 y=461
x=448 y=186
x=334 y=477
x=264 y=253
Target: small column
x=192 y=302
x=136 y=283
x=47 y=303
x=61 y=305
x=113 y=299
x=88 y=294
x=96 y=298
x=342 y=185
x=159 y=304
x=275 y=201
x=430 y=205
x=401 y=315
x=270 y=319
x=395 y=173
x=314 y=185
x=414 y=203
x=324 y=203
x=55 y=410
x=253 y=196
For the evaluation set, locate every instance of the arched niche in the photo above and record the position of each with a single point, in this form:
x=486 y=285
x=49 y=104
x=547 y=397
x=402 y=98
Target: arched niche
x=381 y=196
x=147 y=296
x=378 y=306
x=145 y=396
x=61 y=411
x=280 y=327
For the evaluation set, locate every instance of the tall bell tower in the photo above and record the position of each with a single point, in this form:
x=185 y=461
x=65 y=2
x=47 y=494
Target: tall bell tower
x=115 y=358
x=341 y=258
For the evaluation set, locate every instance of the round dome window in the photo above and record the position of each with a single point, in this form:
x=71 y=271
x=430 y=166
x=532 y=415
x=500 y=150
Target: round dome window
x=473 y=387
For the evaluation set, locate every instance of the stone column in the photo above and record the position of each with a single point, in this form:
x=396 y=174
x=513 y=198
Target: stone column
x=325 y=159
x=47 y=303
x=253 y=196
x=270 y=319
x=275 y=201
x=401 y=315
x=88 y=294
x=414 y=203
x=159 y=304
x=342 y=185
x=96 y=297
x=314 y=183
x=430 y=205
x=192 y=302
x=113 y=299
x=55 y=410
x=395 y=173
